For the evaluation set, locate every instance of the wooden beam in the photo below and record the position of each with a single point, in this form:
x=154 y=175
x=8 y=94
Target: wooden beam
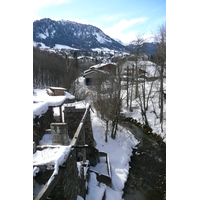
x=60 y=108
x=81 y=146
x=45 y=191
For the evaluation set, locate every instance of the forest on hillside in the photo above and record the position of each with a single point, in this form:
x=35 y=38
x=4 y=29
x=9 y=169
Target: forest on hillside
x=51 y=69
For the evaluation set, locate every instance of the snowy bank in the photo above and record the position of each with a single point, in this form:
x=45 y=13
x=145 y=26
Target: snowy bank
x=119 y=152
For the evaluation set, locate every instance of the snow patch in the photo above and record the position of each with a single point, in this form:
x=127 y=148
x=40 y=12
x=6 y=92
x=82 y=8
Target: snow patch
x=52 y=157
x=46 y=139
x=96 y=190
x=60 y=46
x=42 y=36
x=42 y=45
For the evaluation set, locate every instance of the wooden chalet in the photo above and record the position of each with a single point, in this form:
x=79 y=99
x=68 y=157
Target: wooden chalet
x=99 y=72
x=56 y=91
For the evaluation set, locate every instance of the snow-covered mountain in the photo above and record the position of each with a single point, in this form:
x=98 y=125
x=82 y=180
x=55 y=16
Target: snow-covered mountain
x=149 y=46
x=118 y=40
x=75 y=35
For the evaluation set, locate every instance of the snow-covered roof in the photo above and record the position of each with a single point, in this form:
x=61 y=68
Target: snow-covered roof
x=41 y=101
x=77 y=105
x=80 y=57
x=102 y=65
x=87 y=72
x=39 y=108
x=96 y=68
x=57 y=88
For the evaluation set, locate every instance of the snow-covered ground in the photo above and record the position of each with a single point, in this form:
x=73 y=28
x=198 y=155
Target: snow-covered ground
x=119 y=152
x=60 y=46
x=43 y=46
x=153 y=120
x=57 y=46
x=104 y=49
x=153 y=103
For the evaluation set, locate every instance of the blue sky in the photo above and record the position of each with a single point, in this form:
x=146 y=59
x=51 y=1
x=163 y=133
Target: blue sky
x=121 y=19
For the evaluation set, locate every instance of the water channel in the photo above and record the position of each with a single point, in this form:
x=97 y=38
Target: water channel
x=147 y=173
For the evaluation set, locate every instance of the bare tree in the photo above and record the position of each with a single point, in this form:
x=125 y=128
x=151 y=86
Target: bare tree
x=107 y=100
x=127 y=86
x=139 y=48
x=117 y=100
x=144 y=95
x=160 y=59
x=101 y=101
x=101 y=106
x=132 y=83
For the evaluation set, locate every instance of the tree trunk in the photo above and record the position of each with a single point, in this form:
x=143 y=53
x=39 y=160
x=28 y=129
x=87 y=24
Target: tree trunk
x=106 y=132
x=161 y=98
x=131 y=95
x=136 y=81
x=116 y=124
x=127 y=91
x=113 y=126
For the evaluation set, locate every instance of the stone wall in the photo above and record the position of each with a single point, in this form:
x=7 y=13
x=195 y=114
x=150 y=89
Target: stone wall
x=40 y=124
x=73 y=116
x=59 y=133
x=67 y=187
x=83 y=180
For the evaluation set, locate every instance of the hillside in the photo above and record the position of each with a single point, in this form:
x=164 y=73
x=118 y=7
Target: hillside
x=72 y=35
x=76 y=35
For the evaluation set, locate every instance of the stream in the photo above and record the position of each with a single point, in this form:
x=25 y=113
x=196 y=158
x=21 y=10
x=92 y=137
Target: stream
x=147 y=173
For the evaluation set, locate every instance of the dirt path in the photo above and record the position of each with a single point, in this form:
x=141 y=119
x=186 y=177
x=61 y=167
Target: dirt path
x=147 y=175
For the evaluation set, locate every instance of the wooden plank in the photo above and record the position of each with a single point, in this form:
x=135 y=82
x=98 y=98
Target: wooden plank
x=45 y=191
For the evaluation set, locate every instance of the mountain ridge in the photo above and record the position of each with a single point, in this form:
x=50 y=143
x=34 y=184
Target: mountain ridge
x=77 y=35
